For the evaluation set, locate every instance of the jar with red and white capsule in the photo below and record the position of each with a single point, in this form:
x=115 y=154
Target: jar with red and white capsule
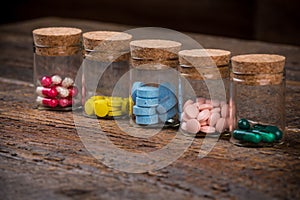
x=57 y=58
x=204 y=91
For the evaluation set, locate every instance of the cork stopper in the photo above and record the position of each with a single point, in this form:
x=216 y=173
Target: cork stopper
x=154 y=49
x=258 y=69
x=204 y=57
x=106 y=41
x=153 y=64
x=257 y=64
x=57 y=41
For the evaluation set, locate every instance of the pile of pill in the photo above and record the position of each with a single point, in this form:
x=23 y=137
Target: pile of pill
x=257 y=133
x=153 y=104
x=56 y=92
x=205 y=115
x=106 y=107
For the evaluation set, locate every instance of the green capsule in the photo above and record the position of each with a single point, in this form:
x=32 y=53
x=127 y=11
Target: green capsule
x=269 y=129
x=259 y=127
x=276 y=131
x=265 y=137
x=243 y=124
x=246 y=136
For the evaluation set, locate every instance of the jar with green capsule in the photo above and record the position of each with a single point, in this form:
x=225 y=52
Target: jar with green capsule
x=257 y=99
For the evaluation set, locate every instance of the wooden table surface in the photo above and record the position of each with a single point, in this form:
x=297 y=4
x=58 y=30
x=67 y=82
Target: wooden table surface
x=42 y=156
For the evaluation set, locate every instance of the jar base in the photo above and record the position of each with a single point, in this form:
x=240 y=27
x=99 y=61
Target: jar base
x=253 y=145
x=69 y=108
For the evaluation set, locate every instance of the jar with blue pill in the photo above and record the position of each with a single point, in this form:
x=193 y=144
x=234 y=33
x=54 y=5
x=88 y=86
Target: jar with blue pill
x=204 y=91
x=154 y=83
x=104 y=81
x=258 y=99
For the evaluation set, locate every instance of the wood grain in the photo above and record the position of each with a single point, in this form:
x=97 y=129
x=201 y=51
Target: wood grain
x=42 y=156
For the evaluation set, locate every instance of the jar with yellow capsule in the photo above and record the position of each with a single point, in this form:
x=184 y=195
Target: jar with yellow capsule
x=105 y=81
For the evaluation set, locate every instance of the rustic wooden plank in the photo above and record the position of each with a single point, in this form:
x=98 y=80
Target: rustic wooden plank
x=42 y=156
x=45 y=159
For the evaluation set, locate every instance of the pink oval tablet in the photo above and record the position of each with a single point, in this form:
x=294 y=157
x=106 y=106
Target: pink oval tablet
x=188 y=102
x=224 y=111
x=184 y=117
x=203 y=115
x=204 y=123
x=191 y=111
x=208 y=129
x=183 y=126
x=212 y=120
x=215 y=103
x=221 y=124
x=205 y=106
x=216 y=110
x=192 y=126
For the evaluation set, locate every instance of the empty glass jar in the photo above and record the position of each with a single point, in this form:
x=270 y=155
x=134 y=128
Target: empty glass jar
x=204 y=91
x=258 y=99
x=57 y=58
x=105 y=81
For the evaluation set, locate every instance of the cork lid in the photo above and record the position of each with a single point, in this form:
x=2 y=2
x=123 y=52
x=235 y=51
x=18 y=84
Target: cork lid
x=154 y=49
x=257 y=64
x=106 y=41
x=56 y=36
x=204 y=57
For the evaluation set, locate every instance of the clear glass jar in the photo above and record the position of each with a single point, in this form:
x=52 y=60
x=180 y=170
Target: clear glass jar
x=258 y=99
x=154 y=83
x=205 y=91
x=104 y=81
x=57 y=58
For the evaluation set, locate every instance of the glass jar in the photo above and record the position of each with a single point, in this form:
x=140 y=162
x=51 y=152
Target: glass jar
x=258 y=99
x=154 y=83
x=57 y=58
x=204 y=91
x=104 y=81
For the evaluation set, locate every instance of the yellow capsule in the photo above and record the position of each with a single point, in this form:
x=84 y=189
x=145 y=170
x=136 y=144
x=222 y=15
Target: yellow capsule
x=125 y=108
x=115 y=103
x=113 y=109
x=115 y=113
x=131 y=103
x=101 y=108
x=89 y=107
x=117 y=98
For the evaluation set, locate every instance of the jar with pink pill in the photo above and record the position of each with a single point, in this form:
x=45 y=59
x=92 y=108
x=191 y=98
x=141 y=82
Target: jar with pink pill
x=204 y=92
x=258 y=99
x=57 y=58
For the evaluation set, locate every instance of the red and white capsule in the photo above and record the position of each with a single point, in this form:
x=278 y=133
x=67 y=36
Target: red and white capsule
x=63 y=92
x=73 y=91
x=47 y=81
x=65 y=102
x=67 y=82
x=47 y=102
x=56 y=80
x=46 y=92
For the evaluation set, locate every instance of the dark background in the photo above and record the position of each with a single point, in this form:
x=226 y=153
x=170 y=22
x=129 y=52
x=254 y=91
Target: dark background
x=275 y=21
